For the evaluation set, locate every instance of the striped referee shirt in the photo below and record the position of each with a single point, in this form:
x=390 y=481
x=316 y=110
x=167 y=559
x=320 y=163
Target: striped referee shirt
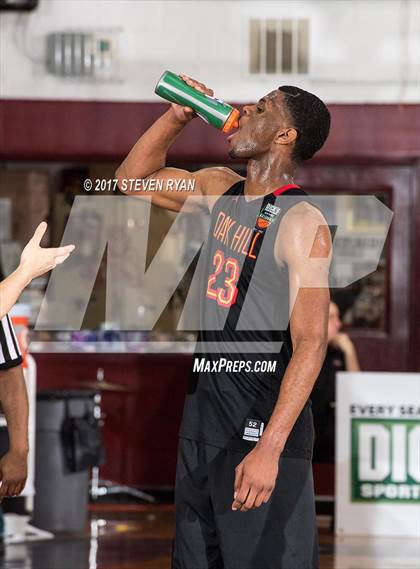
x=10 y=355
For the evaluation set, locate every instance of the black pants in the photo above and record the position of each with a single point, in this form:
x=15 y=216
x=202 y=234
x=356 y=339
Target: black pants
x=280 y=534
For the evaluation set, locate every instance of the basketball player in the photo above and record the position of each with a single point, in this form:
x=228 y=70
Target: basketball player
x=244 y=491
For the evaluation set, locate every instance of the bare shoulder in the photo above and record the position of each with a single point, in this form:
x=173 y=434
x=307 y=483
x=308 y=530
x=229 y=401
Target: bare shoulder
x=299 y=216
x=303 y=232
x=215 y=181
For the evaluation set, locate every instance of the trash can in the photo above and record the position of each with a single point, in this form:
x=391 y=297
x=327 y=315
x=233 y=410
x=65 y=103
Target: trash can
x=61 y=495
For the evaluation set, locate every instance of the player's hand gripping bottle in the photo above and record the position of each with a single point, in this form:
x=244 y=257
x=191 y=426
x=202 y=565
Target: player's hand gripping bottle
x=218 y=113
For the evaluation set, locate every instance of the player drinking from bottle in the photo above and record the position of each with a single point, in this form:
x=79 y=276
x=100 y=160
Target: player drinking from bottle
x=244 y=490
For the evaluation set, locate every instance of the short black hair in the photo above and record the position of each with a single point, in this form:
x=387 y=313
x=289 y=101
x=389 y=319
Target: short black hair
x=311 y=119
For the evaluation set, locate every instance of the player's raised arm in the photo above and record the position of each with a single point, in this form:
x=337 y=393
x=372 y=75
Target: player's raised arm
x=147 y=160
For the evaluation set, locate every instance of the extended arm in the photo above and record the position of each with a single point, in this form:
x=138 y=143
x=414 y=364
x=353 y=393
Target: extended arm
x=34 y=262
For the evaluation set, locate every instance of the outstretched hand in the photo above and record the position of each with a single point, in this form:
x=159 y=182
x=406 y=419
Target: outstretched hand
x=37 y=260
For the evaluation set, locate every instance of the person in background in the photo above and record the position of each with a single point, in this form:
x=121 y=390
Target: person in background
x=34 y=262
x=341 y=356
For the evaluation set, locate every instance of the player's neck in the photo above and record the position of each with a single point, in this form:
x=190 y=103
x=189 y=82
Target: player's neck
x=266 y=175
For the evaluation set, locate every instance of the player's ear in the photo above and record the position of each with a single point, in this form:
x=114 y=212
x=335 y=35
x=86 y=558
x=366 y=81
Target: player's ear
x=286 y=135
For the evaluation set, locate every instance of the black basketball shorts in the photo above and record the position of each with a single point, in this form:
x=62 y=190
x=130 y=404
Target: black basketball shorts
x=280 y=534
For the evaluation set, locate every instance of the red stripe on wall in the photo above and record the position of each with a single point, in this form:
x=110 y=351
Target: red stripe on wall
x=87 y=130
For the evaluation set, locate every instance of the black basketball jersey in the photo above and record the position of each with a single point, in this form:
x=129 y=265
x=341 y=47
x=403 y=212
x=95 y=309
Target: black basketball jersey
x=244 y=343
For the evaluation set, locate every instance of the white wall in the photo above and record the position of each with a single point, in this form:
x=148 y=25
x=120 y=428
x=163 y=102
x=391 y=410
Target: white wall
x=360 y=50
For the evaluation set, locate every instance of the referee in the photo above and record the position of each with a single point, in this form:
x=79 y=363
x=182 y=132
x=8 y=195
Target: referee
x=14 y=402
x=34 y=262
x=9 y=350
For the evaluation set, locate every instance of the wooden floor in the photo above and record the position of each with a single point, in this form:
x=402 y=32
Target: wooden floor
x=140 y=538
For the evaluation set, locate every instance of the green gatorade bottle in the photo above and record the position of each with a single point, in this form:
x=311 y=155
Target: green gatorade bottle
x=214 y=111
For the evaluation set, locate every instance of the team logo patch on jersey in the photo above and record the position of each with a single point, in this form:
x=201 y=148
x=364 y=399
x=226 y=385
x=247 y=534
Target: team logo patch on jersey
x=253 y=429
x=267 y=216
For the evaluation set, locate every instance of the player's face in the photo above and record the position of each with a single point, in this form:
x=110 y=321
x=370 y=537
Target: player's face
x=258 y=126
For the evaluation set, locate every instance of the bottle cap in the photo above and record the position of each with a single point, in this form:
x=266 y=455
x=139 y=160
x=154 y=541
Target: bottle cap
x=232 y=121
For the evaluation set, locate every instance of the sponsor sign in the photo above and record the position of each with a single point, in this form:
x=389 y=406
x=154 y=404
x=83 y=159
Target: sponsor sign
x=378 y=454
